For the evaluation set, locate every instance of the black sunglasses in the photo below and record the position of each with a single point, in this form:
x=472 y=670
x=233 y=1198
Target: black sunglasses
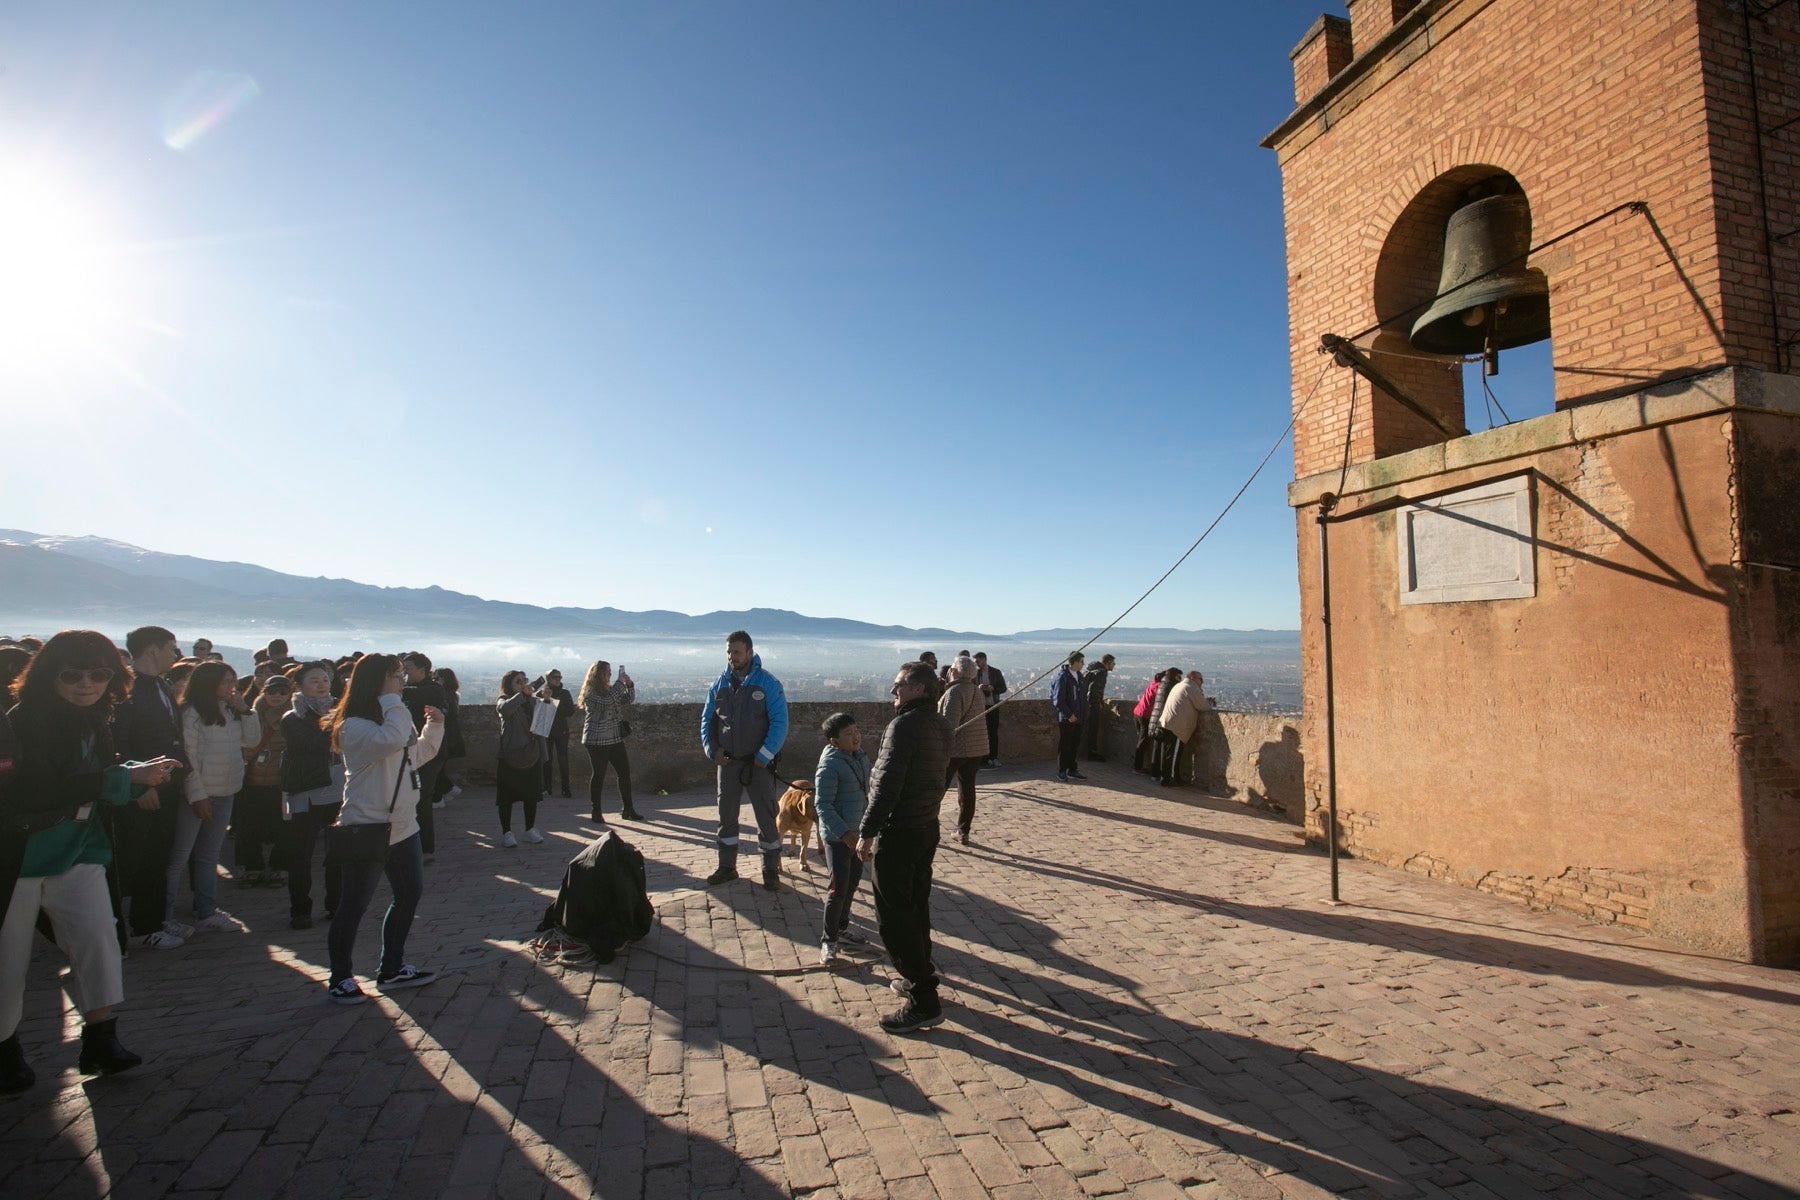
x=75 y=675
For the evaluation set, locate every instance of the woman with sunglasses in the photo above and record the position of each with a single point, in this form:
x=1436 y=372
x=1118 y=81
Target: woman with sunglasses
x=216 y=729
x=374 y=732
x=55 y=843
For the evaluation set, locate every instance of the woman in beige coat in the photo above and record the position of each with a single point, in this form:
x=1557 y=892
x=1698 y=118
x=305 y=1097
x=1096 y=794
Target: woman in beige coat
x=965 y=708
x=1181 y=717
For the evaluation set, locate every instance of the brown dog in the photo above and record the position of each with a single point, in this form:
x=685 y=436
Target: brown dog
x=798 y=821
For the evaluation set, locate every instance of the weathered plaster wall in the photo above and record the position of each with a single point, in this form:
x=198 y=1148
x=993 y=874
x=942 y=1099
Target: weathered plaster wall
x=1578 y=749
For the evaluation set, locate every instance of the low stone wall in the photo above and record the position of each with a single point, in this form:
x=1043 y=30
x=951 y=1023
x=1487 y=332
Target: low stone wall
x=1240 y=756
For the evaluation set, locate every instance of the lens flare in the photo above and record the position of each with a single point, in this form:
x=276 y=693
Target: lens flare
x=206 y=101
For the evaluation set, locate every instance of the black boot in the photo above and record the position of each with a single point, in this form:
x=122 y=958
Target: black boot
x=727 y=867
x=15 y=1073
x=772 y=870
x=101 y=1051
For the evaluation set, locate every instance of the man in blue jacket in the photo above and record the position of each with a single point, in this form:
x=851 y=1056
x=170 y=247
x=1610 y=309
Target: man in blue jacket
x=1069 y=698
x=742 y=727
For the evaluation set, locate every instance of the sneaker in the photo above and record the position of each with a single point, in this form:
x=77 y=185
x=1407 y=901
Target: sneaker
x=852 y=938
x=509 y=842
x=1063 y=776
x=346 y=991
x=178 y=929
x=1076 y=775
x=722 y=875
x=909 y=1018
x=962 y=836
x=453 y=793
x=827 y=952
x=219 y=919
x=534 y=837
x=161 y=939
x=430 y=858
x=996 y=764
x=440 y=803
x=632 y=814
x=568 y=795
x=408 y=976
x=275 y=879
x=771 y=882
x=250 y=879
x=300 y=923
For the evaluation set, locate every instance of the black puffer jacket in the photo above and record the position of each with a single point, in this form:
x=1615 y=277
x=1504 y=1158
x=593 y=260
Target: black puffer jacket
x=908 y=783
x=306 y=762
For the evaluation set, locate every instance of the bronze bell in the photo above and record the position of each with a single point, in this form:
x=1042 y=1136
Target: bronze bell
x=1508 y=308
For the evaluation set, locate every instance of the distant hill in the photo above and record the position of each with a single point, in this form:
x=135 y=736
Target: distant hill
x=50 y=581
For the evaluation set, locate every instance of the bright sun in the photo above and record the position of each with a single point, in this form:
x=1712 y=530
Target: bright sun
x=59 y=282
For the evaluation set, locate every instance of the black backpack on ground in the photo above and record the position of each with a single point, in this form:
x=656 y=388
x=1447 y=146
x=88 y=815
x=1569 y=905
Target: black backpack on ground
x=604 y=900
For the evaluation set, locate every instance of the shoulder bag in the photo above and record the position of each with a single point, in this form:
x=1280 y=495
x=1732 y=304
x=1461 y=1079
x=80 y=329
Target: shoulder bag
x=362 y=845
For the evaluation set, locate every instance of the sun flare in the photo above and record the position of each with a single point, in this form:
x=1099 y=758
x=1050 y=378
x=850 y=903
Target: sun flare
x=60 y=279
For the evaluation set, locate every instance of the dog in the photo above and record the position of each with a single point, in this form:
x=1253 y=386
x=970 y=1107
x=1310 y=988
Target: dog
x=798 y=822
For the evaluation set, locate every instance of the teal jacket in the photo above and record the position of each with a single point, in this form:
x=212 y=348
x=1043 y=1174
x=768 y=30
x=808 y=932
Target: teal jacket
x=841 y=791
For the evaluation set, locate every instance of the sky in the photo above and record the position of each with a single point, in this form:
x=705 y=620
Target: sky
x=967 y=315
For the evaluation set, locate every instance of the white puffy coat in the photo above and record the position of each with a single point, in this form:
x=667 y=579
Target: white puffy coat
x=216 y=752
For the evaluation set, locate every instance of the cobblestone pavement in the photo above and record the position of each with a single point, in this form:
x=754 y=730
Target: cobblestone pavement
x=1147 y=996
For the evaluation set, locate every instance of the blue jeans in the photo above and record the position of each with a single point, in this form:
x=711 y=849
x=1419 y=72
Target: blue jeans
x=846 y=873
x=202 y=839
x=405 y=868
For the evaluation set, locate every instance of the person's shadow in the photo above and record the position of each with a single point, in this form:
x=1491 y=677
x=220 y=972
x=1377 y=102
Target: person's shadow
x=1042 y=1013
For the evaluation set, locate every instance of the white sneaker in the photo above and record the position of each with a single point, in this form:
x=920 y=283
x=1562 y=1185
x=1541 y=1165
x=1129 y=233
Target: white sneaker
x=509 y=842
x=162 y=940
x=220 y=919
x=440 y=803
x=178 y=930
x=453 y=793
x=827 y=952
x=532 y=835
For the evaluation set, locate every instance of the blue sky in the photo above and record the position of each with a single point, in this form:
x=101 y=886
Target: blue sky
x=952 y=314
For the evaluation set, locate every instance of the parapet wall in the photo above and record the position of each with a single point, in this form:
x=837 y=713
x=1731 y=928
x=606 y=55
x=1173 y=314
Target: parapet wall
x=1244 y=756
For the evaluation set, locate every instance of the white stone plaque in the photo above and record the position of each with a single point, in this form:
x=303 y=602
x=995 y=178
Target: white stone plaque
x=1476 y=544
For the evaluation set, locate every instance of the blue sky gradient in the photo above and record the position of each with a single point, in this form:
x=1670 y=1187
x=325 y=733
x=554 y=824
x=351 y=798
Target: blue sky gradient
x=968 y=315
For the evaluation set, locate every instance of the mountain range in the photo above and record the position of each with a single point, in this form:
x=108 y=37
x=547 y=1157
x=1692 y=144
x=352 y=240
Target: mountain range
x=49 y=582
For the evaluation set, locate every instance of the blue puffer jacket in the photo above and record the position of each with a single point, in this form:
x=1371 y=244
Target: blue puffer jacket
x=841 y=791
x=745 y=719
x=1068 y=697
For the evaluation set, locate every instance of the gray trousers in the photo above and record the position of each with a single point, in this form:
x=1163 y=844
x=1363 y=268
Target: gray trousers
x=761 y=786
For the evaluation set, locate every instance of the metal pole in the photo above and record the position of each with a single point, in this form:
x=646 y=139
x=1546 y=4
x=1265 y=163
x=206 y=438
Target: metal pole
x=1326 y=503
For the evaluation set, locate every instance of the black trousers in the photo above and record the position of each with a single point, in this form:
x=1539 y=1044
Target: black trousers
x=299 y=835
x=993 y=720
x=601 y=757
x=255 y=824
x=963 y=771
x=1163 y=756
x=1144 y=743
x=1068 y=740
x=556 y=760
x=903 y=907
x=512 y=785
x=1099 y=717
x=146 y=839
x=428 y=777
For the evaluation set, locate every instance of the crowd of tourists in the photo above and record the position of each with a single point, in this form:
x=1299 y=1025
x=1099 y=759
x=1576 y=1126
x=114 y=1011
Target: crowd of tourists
x=122 y=772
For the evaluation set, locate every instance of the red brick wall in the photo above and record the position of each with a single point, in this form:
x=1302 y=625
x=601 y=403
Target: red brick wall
x=1588 y=104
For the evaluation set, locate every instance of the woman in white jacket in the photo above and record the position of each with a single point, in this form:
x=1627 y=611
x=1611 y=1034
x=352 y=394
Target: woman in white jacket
x=216 y=729
x=382 y=751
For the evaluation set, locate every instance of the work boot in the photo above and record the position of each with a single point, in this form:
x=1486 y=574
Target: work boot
x=101 y=1051
x=727 y=867
x=15 y=1073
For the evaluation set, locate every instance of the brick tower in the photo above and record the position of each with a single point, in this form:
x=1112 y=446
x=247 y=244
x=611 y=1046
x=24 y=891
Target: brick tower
x=1564 y=653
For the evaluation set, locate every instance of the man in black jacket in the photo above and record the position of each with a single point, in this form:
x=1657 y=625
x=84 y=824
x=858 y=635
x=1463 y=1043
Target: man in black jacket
x=422 y=691
x=905 y=790
x=993 y=689
x=147 y=727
